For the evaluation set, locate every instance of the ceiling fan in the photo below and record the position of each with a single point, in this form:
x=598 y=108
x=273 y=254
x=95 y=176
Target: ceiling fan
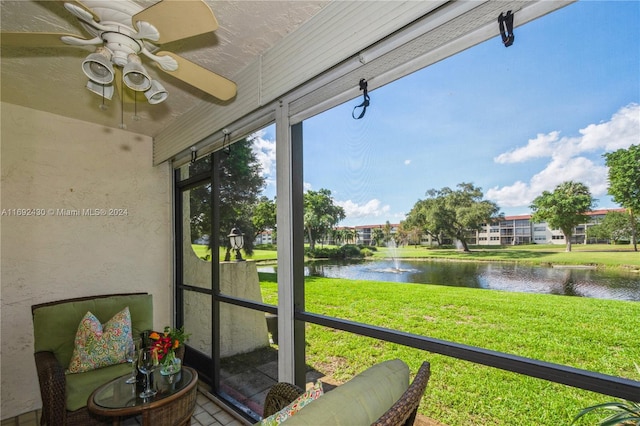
x=123 y=31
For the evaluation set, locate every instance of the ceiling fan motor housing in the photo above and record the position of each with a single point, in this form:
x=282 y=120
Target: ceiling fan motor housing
x=120 y=46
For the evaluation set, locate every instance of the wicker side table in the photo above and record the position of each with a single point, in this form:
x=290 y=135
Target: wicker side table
x=172 y=405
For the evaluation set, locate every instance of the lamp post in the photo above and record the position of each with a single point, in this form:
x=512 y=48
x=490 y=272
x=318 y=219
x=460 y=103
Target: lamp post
x=236 y=239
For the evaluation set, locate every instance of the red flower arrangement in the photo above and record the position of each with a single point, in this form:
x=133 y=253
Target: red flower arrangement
x=166 y=344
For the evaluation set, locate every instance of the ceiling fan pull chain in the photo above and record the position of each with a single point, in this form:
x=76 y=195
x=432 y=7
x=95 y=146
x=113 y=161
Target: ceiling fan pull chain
x=135 y=117
x=365 y=102
x=505 y=23
x=227 y=140
x=103 y=106
x=122 y=125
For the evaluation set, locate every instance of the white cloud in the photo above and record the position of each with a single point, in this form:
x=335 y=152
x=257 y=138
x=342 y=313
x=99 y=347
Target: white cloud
x=514 y=195
x=566 y=158
x=578 y=169
x=372 y=208
x=265 y=151
x=621 y=131
x=407 y=162
x=541 y=146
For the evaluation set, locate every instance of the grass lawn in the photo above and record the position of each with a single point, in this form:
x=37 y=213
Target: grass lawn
x=593 y=334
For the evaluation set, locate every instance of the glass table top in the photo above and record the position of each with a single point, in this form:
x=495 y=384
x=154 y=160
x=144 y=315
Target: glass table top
x=119 y=394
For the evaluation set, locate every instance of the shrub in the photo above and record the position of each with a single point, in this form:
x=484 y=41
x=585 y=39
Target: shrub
x=350 y=251
x=321 y=253
x=366 y=252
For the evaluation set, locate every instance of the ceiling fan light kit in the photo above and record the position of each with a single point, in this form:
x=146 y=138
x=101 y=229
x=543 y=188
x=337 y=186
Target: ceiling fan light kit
x=157 y=93
x=135 y=76
x=97 y=66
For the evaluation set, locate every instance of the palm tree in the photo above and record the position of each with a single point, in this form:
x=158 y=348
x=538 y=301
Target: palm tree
x=377 y=236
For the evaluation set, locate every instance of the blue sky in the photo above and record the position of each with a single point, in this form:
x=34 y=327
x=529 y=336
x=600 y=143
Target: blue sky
x=514 y=121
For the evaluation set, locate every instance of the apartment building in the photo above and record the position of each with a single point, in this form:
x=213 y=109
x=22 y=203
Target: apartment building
x=510 y=230
x=521 y=230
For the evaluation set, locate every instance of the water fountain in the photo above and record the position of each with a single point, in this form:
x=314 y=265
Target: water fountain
x=393 y=251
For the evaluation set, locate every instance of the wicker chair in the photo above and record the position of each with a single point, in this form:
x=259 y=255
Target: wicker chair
x=279 y=396
x=51 y=373
x=53 y=391
x=402 y=413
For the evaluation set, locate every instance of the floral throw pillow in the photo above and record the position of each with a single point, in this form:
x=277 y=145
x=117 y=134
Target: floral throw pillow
x=100 y=346
x=306 y=398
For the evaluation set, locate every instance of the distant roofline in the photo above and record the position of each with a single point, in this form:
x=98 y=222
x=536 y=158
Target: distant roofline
x=392 y=225
x=514 y=217
x=591 y=213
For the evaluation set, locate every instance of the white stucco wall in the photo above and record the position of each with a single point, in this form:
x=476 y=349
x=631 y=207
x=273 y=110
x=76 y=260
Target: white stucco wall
x=58 y=164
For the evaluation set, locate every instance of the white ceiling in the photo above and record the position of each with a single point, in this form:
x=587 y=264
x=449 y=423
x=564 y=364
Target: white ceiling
x=52 y=80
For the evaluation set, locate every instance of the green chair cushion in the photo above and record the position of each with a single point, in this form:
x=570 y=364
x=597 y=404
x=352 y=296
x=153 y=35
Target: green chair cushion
x=55 y=326
x=81 y=385
x=360 y=401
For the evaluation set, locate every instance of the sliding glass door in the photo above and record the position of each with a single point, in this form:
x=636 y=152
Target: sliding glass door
x=218 y=295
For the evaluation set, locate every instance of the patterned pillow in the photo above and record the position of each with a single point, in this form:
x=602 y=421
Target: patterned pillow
x=306 y=398
x=99 y=346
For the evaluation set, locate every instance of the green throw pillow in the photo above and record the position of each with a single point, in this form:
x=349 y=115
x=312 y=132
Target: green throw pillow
x=100 y=346
x=309 y=396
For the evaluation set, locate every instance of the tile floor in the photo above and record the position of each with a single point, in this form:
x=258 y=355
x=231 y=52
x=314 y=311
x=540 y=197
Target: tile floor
x=207 y=413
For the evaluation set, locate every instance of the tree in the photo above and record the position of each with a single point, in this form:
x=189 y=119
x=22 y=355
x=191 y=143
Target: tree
x=624 y=182
x=402 y=236
x=387 y=232
x=264 y=216
x=413 y=233
x=564 y=208
x=335 y=236
x=452 y=213
x=320 y=214
x=240 y=184
x=350 y=235
x=615 y=226
x=377 y=236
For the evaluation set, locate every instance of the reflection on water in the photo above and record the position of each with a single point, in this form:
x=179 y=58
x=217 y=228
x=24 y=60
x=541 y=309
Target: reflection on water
x=580 y=282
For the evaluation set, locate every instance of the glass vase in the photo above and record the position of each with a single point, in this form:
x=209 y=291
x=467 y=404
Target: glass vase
x=170 y=365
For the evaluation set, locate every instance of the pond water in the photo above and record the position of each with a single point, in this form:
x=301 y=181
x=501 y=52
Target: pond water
x=569 y=281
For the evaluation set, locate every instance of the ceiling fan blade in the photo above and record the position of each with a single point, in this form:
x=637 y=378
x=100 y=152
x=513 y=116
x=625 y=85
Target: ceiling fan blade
x=86 y=9
x=34 y=39
x=201 y=78
x=178 y=19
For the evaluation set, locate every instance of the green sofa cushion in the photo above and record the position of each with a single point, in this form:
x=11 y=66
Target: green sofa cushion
x=360 y=401
x=81 y=385
x=55 y=326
